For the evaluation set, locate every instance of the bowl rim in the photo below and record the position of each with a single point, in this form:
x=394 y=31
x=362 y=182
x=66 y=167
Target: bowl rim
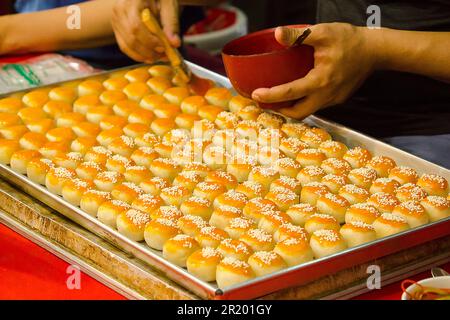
x=430 y=279
x=255 y=34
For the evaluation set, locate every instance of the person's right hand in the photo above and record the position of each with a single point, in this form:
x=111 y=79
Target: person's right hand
x=133 y=38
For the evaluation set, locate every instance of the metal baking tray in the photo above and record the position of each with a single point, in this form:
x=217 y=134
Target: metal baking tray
x=290 y=277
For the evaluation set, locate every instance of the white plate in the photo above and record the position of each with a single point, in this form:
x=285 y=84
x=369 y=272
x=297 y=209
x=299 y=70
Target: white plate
x=438 y=282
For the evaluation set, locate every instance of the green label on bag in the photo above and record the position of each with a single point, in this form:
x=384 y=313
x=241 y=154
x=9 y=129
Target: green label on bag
x=25 y=71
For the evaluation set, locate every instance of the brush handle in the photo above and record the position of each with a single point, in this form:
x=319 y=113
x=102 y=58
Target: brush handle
x=175 y=58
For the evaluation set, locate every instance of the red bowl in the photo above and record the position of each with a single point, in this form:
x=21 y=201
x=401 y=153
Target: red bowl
x=257 y=60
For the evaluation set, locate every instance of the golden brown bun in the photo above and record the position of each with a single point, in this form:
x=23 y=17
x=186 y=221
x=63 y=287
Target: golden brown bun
x=197 y=206
x=310 y=157
x=333 y=149
x=222 y=216
x=175 y=195
x=136 y=91
x=14 y=132
x=312 y=191
x=57 y=177
x=299 y=213
x=108 y=212
x=152 y=101
x=356 y=233
x=90 y=87
x=37 y=169
x=117 y=83
x=287 y=167
x=282 y=197
x=159 y=84
x=111 y=97
x=403 y=174
x=336 y=166
x=286 y=182
x=263 y=175
x=266 y=262
x=238 y=102
x=272 y=220
x=86 y=129
x=270 y=120
x=250 y=112
x=126 y=192
x=294 y=251
x=353 y=194
x=252 y=189
x=384 y=202
x=167 y=212
x=8 y=120
x=255 y=208
x=132 y=224
x=74 y=189
x=334 y=182
x=361 y=212
x=118 y=163
x=98 y=154
x=56 y=108
x=388 y=224
x=258 y=240
x=231 y=198
x=333 y=205
x=362 y=177
x=437 y=207
x=310 y=174
x=203 y=263
x=154 y=185
x=238 y=226
x=125 y=107
x=409 y=192
x=144 y=156
x=413 y=212
x=107 y=180
x=82 y=104
x=386 y=185
x=147 y=140
x=20 y=159
x=60 y=134
x=433 y=184
x=289 y=230
x=248 y=129
x=137 y=75
x=315 y=136
x=31 y=114
x=320 y=221
x=235 y=249
x=191 y=225
x=165 y=168
x=161 y=71
x=326 y=242
x=161 y=126
x=10 y=105
x=294 y=130
x=357 y=157
x=219 y=97
x=179 y=248
x=291 y=146
x=231 y=272
x=35 y=98
x=382 y=165
x=92 y=199
x=159 y=231
x=210 y=236
x=176 y=95
x=69 y=160
x=64 y=120
x=122 y=145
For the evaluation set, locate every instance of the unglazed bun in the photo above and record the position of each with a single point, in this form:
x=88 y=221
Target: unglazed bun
x=294 y=251
x=356 y=233
x=437 y=207
x=388 y=224
x=433 y=184
x=203 y=263
x=158 y=231
x=231 y=272
x=326 y=242
x=266 y=262
x=179 y=248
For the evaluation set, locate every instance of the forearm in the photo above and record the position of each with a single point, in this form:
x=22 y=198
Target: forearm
x=47 y=30
x=425 y=53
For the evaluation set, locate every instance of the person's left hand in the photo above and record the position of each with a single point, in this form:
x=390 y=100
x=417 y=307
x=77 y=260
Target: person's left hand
x=133 y=38
x=343 y=59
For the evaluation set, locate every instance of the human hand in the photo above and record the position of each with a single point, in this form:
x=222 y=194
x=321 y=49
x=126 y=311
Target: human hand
x=343 y=59
x=133 y=38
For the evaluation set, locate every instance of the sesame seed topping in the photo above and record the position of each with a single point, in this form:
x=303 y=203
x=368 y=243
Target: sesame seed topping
x=393 y=217
x=266 y=257
x=137 y=217
x=259 y=235
x=327 y=235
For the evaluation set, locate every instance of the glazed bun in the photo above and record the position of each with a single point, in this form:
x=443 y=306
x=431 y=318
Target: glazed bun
x=437 y=207
x=294 y=130
x=326 y=242
x=238 y=102
x=161 y=70
x=294 y=251
x=263 y=175
x=353 y=194
x=386 y=185
x=314 y=137
x=310 y=157
x=362 y=177
x=413 y=212
x=57 y=177
x=167 y=212
x=238 y=226
x=230 y=198
x=132 y=224
x=232 y=248
x=175 y=195
x=210 y=236
x=270 y=120
x=388 y=224
x=136 y=91
x=159 y=84
x=356 y=233
x=203 y=263
x=37 y=169
x=126 y=192
x=362 y=212
x=250 y=112
x=291 y=146
x=20 y=159
x=190 y=105
x=384 y=202
x=321 y=222
x=287 y=167
x=336 y=166
x=288 y=230
x=312 y=191
x=334 y=182
x=282 y=197
x=107 y=180
x=266 y=262
x=222 y=216
x=165 y=168
x=158 y=231
x=191 y=225
x=154 y=185
x=92 y=199
x=240 y=167
x=271 y=221
x=209 y=190
x=357 y=157
x=300 y=213
x=285 y=182
x=310 y=174
x=224 y=178
x=73 y=190
x=226 y=120
x=197 y=206
x=256 y=207
x=382 y=165
x=219 y=97
x=35 y=98
x=258 y=240
x=179 y=248
x=433 y=184
x=231 y=272
x=403 y=175
x=409 y=192
x=333 y=149
x=333 y=205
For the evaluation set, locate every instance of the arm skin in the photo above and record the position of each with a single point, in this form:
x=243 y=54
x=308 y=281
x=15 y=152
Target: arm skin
x=346 y=55
x=45 y=31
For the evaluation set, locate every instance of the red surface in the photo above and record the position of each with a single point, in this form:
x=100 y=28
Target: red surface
x=28 y=271
x=257 y=60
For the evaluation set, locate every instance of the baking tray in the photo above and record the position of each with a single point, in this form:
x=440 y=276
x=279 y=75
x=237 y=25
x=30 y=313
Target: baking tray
x=289 y=277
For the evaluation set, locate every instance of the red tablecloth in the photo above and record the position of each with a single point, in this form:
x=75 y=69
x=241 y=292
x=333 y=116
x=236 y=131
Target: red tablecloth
x=28 y=271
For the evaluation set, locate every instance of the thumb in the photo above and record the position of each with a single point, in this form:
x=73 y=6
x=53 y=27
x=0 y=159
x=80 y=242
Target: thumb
x=170 y=21
x=288 y=35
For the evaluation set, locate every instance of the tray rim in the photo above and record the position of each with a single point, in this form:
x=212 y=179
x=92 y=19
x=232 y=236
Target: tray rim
x=180 y=275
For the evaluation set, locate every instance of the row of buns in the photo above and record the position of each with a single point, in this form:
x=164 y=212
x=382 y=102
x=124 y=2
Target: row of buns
x=218 y=185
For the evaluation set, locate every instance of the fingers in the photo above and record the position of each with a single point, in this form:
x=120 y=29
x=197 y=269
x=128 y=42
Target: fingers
x=302 y=108
x=294 y=90
x=170 y=21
